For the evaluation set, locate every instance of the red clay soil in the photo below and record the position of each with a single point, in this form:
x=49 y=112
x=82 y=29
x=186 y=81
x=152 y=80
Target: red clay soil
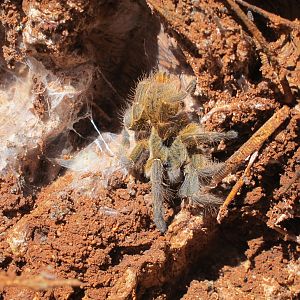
x=105 y=236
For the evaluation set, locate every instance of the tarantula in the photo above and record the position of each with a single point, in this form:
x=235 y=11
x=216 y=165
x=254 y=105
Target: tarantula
x=171 y=147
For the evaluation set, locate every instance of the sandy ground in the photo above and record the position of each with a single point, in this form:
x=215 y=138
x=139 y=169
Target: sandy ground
x=105 y=236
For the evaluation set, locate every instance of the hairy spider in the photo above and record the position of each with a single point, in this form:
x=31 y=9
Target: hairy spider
x=171 y=147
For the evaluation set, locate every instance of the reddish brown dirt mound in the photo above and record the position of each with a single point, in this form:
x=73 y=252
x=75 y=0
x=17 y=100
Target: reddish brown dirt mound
x=105 y=237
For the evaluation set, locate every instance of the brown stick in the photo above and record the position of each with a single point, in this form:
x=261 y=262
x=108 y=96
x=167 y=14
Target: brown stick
x=263 y=45
x=254 y=143
x=38 y=282
x=272 y=17
x=224 y=208
x=286 y=235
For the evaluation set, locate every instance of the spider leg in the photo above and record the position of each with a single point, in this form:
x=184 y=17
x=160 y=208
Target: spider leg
x=206 y=200
x=206 y=168
x=155 y=173
x=191 y=86
x=177 y=156
x=139 y=154
x=131 y=161
x=191 y=184
x=192 y=187
x=138 y=151
x=154 y=170
x=125 y=142
x=194 y=134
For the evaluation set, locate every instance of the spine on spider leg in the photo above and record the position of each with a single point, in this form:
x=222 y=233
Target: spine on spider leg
x=156 y=176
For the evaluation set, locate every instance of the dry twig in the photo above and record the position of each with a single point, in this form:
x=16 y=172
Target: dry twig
x=37 y=283
x=224 y=208
x=262 y=44
x=287 y=236
x=171 y=18
x=254 y=143
x=272 y=17
x=230 y=108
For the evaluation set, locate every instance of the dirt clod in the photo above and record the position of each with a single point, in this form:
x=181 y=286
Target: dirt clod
x=103 y=235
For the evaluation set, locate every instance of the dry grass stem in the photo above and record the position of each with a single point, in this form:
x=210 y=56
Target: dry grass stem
x=38 y=282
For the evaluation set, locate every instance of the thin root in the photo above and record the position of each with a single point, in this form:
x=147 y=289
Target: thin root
x=224 y=208
x=229 y=108
x=286 y=235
